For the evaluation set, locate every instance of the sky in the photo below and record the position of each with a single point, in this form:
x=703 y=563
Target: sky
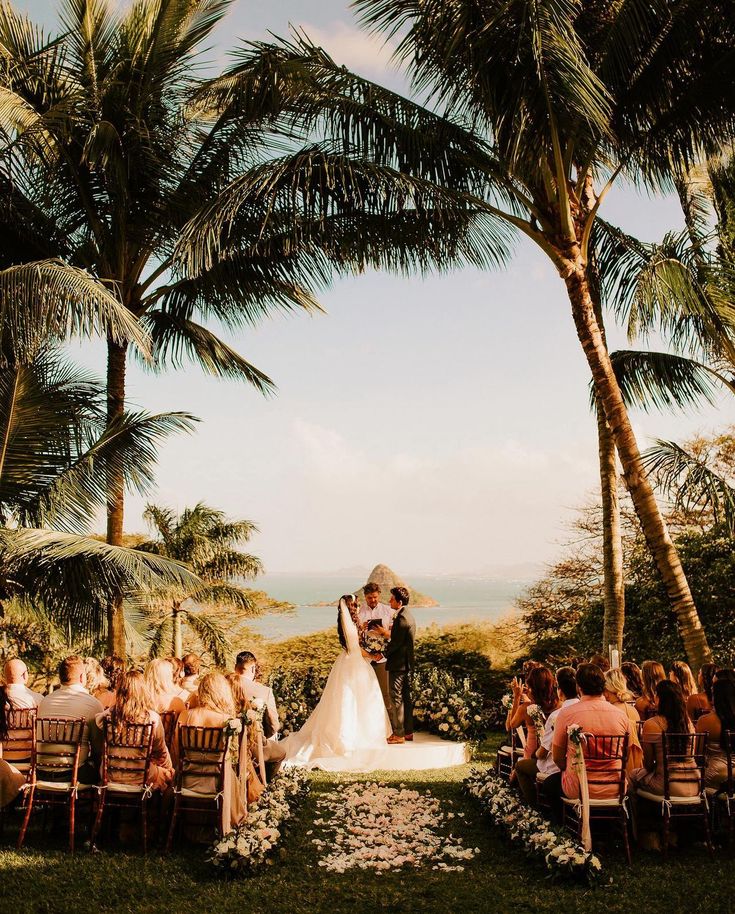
x=439 y=425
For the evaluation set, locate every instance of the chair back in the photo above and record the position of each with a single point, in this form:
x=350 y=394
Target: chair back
x=202 y=757
x=684 y=760
x=168 y=719
x=58 y=747
x=126 y=757
x=605 y=758
x=19 y=747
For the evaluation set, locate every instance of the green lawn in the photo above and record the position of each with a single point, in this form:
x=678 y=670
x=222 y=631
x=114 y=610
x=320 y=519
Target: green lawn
x=500 y=879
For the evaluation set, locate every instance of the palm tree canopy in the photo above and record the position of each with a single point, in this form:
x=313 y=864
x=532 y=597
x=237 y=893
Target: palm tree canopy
x=205 y=539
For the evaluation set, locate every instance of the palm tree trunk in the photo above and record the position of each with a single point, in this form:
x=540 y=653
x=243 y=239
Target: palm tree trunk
x=177 y=644
x=612 y=540
x=116 y=364
x=612 y=543
x=652 y=523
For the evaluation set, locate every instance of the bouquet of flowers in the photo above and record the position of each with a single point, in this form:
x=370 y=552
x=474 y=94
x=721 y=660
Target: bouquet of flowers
x=507 y=701
x=374 y=642
x=537 y=716
x=233 y=729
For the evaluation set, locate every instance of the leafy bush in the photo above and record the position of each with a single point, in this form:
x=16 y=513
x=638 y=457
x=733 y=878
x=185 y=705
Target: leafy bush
x=297 y=694
x=448 y=705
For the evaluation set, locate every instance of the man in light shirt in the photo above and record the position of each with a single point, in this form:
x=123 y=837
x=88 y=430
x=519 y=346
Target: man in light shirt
x=246 y=667
x=72 y=700
x=20 y=697
x=372 y=610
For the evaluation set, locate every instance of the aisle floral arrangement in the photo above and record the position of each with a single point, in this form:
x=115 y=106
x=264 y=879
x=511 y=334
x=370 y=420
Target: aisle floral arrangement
x=564 y=857
x=379 y=827
x=252 y=844
x=297 y=693
x=448 y=706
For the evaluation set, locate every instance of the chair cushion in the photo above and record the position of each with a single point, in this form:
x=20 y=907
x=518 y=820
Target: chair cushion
x=596 y=803
x=675 y=801
x=60 y=786
x=185 y=792
x=114 y=787
x=505 y=750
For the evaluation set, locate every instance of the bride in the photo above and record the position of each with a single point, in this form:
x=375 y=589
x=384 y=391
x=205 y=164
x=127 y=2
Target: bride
x=347 y=730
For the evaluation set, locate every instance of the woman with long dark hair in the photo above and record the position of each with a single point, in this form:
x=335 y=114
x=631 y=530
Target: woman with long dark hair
x=542 y=692
x=633 y=678
x=671 y=718
x=715 y=723
x=11 y=780
x=652 y=673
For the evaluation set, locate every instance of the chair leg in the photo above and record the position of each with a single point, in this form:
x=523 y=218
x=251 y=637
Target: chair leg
x=626 y=837
x=174 y=817
x=27 y=816
x=665 y=834
x=144 y=825
x=708 y=833
x=98 y=817
x=72 y=820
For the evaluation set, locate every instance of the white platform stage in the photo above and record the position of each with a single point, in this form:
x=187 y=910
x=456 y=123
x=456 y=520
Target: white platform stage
x=425 y=752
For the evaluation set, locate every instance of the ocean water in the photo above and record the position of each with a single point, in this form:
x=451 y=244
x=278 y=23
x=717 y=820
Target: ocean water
x=460 y=600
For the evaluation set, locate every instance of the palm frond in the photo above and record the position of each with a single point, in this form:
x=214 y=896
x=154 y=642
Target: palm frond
x=690 y=482
x=213 y=637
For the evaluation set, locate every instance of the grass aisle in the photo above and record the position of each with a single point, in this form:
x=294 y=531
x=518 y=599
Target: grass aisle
x=500 y=879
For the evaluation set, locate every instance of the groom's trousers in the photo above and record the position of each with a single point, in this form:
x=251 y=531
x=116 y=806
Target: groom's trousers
x=382 y=676
x=401 y=703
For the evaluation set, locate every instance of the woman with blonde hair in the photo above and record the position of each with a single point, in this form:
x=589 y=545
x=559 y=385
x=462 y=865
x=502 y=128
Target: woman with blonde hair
x=164 y=695
x=215 y=707
x=97 y=683
x=618 y=694
x=652 y=672
x=132 y=706
x=682 y=675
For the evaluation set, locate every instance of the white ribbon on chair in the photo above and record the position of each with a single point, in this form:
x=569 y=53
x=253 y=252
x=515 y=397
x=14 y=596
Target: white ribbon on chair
x=580 y=770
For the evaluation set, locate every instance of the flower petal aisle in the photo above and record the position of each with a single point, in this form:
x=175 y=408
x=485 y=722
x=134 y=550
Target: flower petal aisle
x=376 y=826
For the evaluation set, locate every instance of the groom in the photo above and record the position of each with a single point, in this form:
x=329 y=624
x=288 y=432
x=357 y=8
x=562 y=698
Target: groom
x=399 y=663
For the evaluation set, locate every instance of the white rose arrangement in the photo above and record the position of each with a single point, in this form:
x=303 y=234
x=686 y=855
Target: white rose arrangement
x=564 y=857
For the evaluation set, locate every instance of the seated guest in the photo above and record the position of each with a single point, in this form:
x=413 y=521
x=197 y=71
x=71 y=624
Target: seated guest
x=671 y=717
x=681 y=674
x=132 y=707
x=542 y=692
x=598 y=717
x=11 y=780
x=190 y=666
x=19 y=696
x=652 y=673
x=72 y=700
x=705 y=681
x=617 y=693
x=163 y=692
x=602 y=662
x=247 y=671
x=714 y=723
x=113 y=667
x=543 y=764
x=97 y=683
x=214 y=708
x=248 y=771
x=633 y=678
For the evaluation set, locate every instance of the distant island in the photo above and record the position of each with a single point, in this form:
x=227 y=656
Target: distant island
x=386 y=578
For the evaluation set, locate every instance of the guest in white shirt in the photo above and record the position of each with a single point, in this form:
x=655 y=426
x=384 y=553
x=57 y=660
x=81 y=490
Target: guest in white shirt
x=16 y=679
x=72 y=700
x=566 y=681
x=246 y=668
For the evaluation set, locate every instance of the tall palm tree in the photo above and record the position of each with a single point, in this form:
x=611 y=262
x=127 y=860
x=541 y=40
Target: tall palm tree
x=545 y=105
x=206 y=541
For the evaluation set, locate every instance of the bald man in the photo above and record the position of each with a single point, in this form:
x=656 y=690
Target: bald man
x=16 y=679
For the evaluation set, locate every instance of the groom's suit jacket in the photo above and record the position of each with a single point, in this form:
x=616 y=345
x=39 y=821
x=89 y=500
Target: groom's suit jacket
x=399 y=653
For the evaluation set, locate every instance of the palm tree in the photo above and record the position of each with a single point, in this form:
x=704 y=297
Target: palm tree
x=203 y=539
x=545 y=105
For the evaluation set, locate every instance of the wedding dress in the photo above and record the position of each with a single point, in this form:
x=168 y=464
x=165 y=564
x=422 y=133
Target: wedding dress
x=348 y=728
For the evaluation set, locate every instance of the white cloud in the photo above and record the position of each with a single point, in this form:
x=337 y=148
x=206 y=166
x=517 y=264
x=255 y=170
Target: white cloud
x=352 y=47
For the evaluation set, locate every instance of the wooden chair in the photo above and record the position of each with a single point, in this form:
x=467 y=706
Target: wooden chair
x=605 y=758
x=19 y=750
x=126 y=761
x=507 y=756
x=58 y=752
x=199 y=784
x=168 y=719
x=722 y=799
x=683 y=763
